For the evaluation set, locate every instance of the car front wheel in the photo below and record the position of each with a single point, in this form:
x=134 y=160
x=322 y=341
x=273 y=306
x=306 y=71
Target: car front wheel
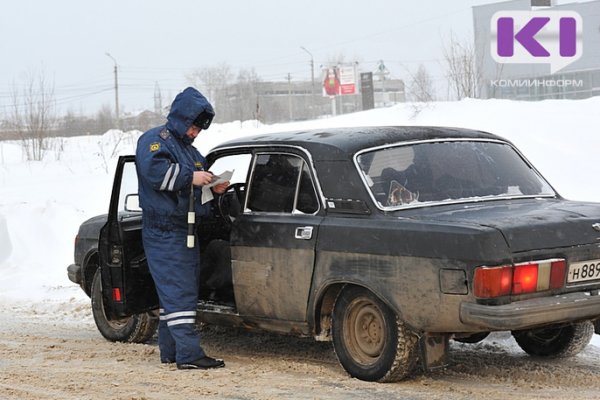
x=138 y=328
x=369 y=339
x=555 y=341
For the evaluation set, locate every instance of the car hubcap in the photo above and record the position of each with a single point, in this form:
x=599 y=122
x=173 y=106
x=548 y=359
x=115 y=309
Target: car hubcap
x=364 y=331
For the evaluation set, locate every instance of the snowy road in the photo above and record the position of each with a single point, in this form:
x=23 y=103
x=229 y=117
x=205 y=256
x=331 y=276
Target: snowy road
x=54 y=351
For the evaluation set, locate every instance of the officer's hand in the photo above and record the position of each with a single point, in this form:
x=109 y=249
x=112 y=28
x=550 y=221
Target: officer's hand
x=202 y=178
x=221 y=187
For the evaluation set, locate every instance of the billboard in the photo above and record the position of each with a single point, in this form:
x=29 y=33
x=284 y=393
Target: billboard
x=339 y=80
x=366 y=89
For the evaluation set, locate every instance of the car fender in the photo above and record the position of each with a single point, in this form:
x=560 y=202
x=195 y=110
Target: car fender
x=88 y=268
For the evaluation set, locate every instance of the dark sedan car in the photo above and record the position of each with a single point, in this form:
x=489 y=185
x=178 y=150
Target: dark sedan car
x=388 y=241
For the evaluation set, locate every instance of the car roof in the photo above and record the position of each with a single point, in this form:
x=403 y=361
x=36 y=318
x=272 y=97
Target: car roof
x=343 y=143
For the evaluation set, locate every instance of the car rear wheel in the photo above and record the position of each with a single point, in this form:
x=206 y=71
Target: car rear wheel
x=556 y=341
x=138 y=328
x=369 y=339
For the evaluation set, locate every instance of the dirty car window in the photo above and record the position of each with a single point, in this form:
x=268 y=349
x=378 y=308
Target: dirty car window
x=448 y=171
x=282 y=183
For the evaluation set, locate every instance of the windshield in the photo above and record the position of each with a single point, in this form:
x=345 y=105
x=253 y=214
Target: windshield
x=448 y=171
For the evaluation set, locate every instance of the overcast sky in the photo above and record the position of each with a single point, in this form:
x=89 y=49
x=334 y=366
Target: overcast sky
x=160 y=41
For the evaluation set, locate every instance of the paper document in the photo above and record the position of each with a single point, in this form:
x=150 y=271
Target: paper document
x=207 y=194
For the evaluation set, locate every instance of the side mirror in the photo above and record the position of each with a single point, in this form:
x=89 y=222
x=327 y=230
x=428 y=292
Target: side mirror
x=132 y=203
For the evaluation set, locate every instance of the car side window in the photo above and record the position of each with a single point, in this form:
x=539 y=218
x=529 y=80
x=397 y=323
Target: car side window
x=128 y=193
x=238 y=163
x=307 y=202
x=281 y=183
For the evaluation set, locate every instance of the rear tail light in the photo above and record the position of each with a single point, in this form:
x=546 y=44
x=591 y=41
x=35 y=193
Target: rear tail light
x=557 y=275
x=530 y=277
x=492 y=282
x=117 y=295
x=525 y=278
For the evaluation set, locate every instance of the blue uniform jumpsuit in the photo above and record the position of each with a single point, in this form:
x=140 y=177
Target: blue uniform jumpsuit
x=165 y=162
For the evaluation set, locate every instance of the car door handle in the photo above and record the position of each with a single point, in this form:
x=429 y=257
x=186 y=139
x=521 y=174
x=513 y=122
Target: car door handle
x=304 y=232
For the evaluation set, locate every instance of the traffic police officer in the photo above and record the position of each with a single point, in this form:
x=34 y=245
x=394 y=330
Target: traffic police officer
x=167 y=165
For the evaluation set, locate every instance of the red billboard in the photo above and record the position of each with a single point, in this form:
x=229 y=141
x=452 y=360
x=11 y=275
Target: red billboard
x=339 y=80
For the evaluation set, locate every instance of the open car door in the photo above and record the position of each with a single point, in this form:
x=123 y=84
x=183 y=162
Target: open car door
x=127 y=285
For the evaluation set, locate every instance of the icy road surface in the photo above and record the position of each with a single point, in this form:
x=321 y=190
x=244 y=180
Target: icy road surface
x=53 y=351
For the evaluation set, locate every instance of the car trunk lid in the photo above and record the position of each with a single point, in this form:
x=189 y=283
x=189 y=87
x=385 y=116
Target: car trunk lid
x=528 y=224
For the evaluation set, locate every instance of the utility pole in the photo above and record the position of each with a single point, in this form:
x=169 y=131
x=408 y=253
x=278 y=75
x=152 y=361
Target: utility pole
x=157 y=100
x=312 y=79
x=289 y=79
x=116 y=90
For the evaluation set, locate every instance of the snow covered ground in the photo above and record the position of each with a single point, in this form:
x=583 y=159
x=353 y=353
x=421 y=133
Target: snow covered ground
x=43 y=203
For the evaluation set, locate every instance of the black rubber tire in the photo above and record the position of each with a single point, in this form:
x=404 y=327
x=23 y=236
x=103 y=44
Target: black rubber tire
x=370 y=341
x=556 y=341
x=597 y=327
x=138 y=328
x=474 y=338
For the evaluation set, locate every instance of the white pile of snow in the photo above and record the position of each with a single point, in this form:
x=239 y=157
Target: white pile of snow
x=42 y=203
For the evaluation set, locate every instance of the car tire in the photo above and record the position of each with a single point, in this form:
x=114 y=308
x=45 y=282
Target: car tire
x=369 y=339
x=138 y=328
x=597 y=327
x=555 y=341
x=472 y=339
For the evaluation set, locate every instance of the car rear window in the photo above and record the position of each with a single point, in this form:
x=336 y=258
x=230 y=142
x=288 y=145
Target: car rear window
x=448 y=171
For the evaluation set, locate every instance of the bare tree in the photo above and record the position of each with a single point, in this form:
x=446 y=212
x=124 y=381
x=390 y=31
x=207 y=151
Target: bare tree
x=33 y=114
x=463 y=68
x=104 y=119
x=247 y=95
x=335 y=59
x=421 y=86
x=214 y=80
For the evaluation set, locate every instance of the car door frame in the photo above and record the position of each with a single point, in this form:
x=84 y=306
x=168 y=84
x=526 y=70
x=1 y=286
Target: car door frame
x=127 y=286
x=260 y=260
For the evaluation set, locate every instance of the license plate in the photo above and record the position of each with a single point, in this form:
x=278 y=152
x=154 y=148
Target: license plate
x=584 y=271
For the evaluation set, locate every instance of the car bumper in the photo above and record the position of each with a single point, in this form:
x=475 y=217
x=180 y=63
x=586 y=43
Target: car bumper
x=74 y=273
x=534 y=312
